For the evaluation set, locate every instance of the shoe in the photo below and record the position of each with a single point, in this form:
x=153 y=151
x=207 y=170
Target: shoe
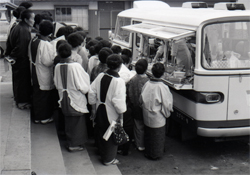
x=36 y=121
x=141 y=148
x=77 y=148
x=23 y=106
x=124 y=153
x=114 y=162
x=49 y=120
x=151 y=158
x=119 y=152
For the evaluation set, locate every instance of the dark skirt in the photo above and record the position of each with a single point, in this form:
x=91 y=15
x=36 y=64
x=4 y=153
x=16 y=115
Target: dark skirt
x=107 y=149
x=21 y=84
x=76 y=130
x=42 y=103
x=154 y=140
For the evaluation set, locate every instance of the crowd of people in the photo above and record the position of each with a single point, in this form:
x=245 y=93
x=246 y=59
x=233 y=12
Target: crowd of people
x=89 y=83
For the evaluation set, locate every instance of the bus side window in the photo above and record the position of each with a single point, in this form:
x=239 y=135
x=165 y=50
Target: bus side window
x=182 y=56
x=191 y=43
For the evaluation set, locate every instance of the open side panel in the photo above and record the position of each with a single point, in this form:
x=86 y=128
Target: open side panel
x=157 y=31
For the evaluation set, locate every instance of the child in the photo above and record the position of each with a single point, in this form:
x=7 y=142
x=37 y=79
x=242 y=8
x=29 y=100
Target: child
x=116 y=49
x=72 y=83
x=157 y=102
x=76 y=42
x=108 y=97
x=41 y=55
x=134 y=91
x=125 y=73
x=94 y=60
x=57 y=57
x=102 y=66
x=83 y=52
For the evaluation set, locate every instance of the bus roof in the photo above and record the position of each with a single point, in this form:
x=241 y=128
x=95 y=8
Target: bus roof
x=188 y=18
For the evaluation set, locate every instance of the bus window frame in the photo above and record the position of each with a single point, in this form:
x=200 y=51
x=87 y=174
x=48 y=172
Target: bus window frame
x=202 y=44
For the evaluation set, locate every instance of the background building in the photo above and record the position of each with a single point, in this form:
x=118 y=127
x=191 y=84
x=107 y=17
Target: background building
x=97 y=17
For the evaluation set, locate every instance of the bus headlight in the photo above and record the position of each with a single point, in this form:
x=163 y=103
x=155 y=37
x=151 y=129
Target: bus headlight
x=212 y=97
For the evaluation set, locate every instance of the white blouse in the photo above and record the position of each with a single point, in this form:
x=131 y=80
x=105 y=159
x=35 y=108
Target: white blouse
x=78 y=84
x=116 y=96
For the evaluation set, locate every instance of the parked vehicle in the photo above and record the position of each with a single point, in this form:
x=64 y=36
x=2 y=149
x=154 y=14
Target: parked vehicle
x=207 y=60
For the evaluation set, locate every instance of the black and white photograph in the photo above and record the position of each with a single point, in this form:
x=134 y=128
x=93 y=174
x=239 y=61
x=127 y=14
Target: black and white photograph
x=124 y=87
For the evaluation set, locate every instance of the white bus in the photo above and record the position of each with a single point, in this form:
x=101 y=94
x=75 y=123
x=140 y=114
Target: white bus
x=206 y=52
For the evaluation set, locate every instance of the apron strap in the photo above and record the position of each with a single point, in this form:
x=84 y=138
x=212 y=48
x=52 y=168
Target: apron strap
x=105 y=82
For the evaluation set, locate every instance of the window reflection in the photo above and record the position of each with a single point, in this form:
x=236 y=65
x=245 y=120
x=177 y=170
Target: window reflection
x=226 y=46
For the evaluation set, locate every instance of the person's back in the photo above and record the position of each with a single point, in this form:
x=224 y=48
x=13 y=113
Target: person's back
x=73 y=84
x=76 y=41
x=94 y=59
x=137 y=82
x=102 y=66
x=157 y=103
x=76 y=57
x=77 y=81
x=107 y=96
x=134 y=88
x=85 y=60
x=156 y=99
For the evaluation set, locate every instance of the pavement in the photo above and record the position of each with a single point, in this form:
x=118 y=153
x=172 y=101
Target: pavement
x=28 y=148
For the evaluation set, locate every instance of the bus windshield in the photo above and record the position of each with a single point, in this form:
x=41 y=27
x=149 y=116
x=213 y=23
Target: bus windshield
x=121 y=34
x=226 y=46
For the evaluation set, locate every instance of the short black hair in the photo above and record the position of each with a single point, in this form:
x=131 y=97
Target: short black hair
x=82 y=33
x=38 y=19
x=141 y=66
x=106 y=43
x=17 y=12
x=125 y=59
x=114 y=61
x=75 y=39
x=98 y=38
x=78 y=28
x=92 y=50
x=88 y=38
x=116 y=49
x=26 y=14
x=104 y=53
x=46 y=16
x=61 y=31
x=64 y=50
x=90 y=43
x=98 y=47
x=127 y=52
x=158 y=70
x=59 y=43
x=27 y=5
x=69 y=30
x=46 y=28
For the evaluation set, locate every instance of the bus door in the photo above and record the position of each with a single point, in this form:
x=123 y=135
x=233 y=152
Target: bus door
x=239 y=97
x=136 y=45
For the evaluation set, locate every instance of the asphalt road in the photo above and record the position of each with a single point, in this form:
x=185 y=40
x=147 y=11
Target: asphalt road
x=198 y=156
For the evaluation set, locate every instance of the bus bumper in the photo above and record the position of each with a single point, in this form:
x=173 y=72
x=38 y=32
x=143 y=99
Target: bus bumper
x=223 y=132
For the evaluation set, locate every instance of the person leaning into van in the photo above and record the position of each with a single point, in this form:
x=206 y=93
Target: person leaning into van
x=157 y=103
x=72 y=83
x=107 y=96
